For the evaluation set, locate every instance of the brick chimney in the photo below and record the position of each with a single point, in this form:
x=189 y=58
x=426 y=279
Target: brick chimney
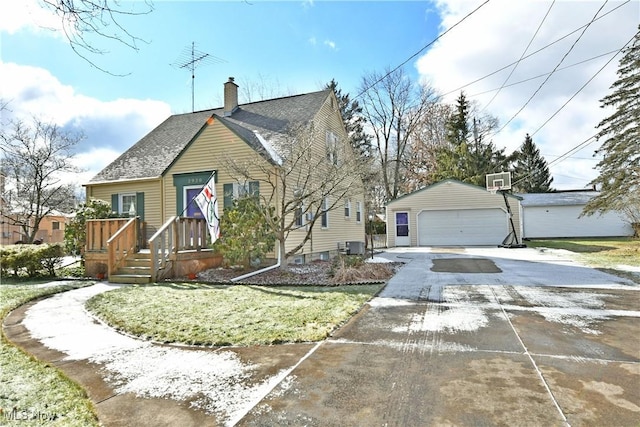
x=230 y=97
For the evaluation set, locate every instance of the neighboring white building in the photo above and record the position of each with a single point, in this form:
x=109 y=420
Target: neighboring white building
x=550 y=215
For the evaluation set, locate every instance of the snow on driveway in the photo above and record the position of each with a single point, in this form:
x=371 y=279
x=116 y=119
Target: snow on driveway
x=214 y=381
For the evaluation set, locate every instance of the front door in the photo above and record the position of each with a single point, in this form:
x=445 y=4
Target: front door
x=192 y=210
x=402 y=229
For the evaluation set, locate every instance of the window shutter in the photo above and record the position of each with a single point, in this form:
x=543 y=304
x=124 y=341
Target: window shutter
x=227 y=190
x=114 y=203
x=140 y=205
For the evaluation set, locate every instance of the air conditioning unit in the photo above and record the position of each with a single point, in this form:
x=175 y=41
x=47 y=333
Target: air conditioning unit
x=355 y=248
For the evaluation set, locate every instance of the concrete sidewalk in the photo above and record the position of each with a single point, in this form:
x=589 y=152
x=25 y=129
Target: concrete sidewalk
x=490 y=337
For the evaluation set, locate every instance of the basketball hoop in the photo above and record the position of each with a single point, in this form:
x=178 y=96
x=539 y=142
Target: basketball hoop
x=498 y=181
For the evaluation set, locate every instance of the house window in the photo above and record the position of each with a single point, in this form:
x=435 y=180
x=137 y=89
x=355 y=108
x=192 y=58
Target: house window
x=127 y=204
x=299 y=216
x=332 y=148
x=55 y=225
x=237 y=190
x=347 y=209
x=324 y=219
x=358 y=212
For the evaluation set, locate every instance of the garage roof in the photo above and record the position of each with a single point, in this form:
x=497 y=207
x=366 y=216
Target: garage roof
x=568 y=198
x=444 y=182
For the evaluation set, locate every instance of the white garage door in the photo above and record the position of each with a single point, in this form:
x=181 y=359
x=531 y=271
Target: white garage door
x=565 y=221
x=462 y=227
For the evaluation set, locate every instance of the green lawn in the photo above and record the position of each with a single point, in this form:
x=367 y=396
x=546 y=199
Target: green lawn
x=230 y=315
x=39 y=393
x=603 y=253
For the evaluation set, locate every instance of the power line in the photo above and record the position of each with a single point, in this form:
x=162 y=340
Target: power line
x=533 y=53
x=583 y=86
x=521 y=56
x=545 y=74
x=366 y=89
x=562 y=157
x=553 y=71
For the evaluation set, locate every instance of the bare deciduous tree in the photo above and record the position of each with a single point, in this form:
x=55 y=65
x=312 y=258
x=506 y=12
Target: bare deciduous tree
x=302 y=184
x=394 y=106
x=430 y=135
x=83 y=20
x=34 y=157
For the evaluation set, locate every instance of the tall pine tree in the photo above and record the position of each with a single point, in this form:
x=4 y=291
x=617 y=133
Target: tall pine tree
x=467 y=157
x=619 y=178
x=530 y=171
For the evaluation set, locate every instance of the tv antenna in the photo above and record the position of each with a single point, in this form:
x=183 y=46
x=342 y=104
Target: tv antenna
x=189 y=59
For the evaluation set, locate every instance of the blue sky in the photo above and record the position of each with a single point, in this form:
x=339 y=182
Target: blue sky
x=292 y=47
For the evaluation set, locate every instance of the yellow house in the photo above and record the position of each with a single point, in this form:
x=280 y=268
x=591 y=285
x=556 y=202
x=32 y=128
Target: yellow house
x=158 y=177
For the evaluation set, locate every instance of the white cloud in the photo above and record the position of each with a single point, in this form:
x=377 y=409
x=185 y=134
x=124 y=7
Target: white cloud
x=29 y=14
x=496 y=36
x=330 y=43
x=313 y=41
x=110 y=127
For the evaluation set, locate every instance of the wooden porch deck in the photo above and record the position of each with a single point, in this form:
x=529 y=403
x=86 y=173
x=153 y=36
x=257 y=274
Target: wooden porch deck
x=116 y=250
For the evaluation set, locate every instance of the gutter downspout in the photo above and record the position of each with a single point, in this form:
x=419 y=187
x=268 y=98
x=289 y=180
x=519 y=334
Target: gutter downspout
x=264 y=270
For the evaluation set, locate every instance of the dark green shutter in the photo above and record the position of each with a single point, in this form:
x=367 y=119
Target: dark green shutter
x=227 y=189
x=140 y=205
x=114 y=203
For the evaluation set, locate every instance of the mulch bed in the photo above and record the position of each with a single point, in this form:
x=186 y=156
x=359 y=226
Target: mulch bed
x=317 y=273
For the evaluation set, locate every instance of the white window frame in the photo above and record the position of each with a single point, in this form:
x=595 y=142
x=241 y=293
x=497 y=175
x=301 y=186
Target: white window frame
x=300 y=220
x=121 y=209
x=324 y=220
x=359 y=212
x=347 y=209
x=332 y=147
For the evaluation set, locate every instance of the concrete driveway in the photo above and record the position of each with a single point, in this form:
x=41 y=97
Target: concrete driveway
x=476 y=336
x=479 y=336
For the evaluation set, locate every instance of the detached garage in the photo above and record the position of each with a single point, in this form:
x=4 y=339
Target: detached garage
x=451 y=213
x=549 y=215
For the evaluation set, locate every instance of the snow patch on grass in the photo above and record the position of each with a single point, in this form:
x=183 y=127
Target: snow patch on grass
x=215 y=381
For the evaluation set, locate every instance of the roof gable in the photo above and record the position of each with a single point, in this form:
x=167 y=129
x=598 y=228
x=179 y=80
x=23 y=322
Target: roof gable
x=452 y=181
x=154 y=154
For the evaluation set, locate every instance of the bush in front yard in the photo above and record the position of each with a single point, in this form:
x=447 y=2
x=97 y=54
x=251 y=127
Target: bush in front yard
x=31 y=260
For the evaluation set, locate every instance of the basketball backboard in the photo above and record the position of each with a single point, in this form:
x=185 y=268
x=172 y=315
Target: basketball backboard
x=498 y=181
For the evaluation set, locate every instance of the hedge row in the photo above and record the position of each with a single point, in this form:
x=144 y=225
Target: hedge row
x=31 y=260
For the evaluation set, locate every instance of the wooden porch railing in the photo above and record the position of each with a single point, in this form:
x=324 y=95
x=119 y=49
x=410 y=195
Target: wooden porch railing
x=99 y=231
x=175 y=235
x=122 y=244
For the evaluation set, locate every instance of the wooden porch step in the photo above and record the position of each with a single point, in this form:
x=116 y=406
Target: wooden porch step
x=137 y=269
x=130 y=278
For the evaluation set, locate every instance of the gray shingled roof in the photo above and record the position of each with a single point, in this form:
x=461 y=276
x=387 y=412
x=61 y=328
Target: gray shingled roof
x=569 y=198
x=154 y=153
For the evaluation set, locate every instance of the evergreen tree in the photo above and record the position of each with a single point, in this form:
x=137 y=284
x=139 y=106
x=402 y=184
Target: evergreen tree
x=531 y=172
x=467 y=157
x=619 y=177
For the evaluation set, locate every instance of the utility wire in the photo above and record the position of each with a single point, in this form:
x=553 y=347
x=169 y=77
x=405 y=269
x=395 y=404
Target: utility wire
x=583 y=86
x=533 y=53
x=366 y=89
x=561 y=158
x=545 y=74
x=553 y=71
x=521 y=56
